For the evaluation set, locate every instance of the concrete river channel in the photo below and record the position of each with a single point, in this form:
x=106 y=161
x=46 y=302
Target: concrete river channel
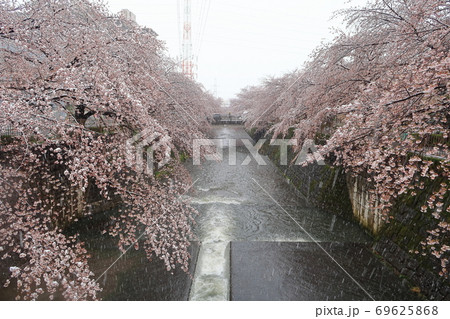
x=261 y=240
x=258 y=239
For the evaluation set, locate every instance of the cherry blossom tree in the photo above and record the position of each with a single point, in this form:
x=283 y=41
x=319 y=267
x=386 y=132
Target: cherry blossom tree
x=379 y=94
x=77 y=83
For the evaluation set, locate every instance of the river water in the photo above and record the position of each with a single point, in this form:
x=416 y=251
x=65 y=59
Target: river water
x=250 y=203
x=258 y=239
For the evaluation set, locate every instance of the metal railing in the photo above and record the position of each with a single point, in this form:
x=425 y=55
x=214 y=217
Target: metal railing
x=226 y=119
x=8 y=131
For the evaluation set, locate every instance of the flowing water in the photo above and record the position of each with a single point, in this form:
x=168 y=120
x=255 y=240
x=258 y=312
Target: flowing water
x=259 y=240
x=249 y=203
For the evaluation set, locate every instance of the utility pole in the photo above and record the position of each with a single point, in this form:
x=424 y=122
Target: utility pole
x=187 y=59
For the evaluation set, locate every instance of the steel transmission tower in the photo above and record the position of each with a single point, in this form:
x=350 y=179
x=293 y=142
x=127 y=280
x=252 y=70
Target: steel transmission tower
x=187 y=59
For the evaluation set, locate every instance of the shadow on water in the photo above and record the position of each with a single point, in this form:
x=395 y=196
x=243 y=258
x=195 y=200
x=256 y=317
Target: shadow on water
x=303 y=271
x=132 y=277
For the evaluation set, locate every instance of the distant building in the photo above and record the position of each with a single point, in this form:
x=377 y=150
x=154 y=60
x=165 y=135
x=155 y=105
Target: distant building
x=127 y=15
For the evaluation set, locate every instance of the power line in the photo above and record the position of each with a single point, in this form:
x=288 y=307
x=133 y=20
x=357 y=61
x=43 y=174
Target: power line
x=199 y=21
x=203 y=29
x=179 y=29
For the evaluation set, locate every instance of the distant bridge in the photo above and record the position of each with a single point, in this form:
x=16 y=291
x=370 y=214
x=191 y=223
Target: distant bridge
x=218 y=119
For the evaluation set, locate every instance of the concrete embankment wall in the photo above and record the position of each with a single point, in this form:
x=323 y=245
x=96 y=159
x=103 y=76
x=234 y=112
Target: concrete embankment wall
x=398 y=240
x=323 y=186
x=340 y=193
x=360 y=195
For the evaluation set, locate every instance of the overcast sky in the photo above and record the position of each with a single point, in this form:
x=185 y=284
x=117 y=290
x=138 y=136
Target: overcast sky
x=241 y=41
